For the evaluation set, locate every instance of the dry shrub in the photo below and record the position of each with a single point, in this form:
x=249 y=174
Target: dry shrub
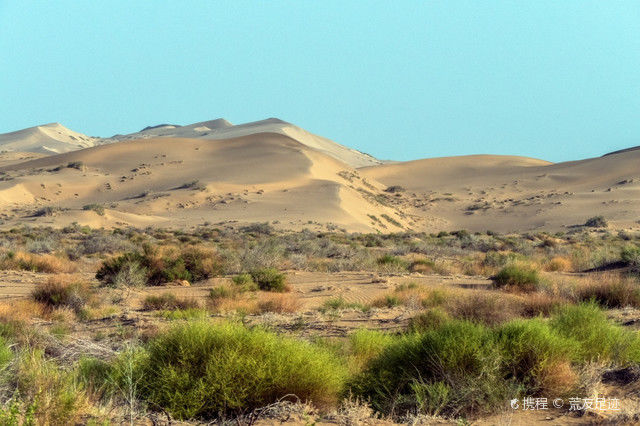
x=52 y=264
x=232 y=298
x=559 y=264
x=484 y=308
x=535 y=304
x=557 y=378
x=47 y=263
x=412 y=296
x=60 y=292
x=279 y=303
x=168 y=301
x=21 y=311
x=609 y=290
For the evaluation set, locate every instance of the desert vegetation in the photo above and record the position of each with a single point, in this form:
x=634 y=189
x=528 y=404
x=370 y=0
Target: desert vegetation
x=218 y=323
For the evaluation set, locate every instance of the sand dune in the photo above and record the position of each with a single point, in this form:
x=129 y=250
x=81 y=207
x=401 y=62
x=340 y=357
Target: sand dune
x=513 y=193
x=184 y=182
x=51 y=138
x=55 y=138
x=273 y=171
x=222 y=129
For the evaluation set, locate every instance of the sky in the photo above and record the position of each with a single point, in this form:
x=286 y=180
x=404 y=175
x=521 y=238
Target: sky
x=402 y=80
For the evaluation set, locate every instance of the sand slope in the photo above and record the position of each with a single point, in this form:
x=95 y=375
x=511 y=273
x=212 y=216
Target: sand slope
x=51 y=138
x=184 y=182
x=513 y=193
x=222 y=129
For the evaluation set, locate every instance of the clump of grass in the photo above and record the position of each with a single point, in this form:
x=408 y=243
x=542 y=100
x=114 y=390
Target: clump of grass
x=422 y=266
x=390 y=263
x=169 y=302
x=48 y=392
x=517 y=276
x=47 y=263
x=559 y=263
x=279 y=303
x=599 y=339
x=57 y=293
x=99 y=209
x=198 y=370
x=451 y=369
x=339 y=303
x=269 y=279
x=245 y=281
x=610 y=291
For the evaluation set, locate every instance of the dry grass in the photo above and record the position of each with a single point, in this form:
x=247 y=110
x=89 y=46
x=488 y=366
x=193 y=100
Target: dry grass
x=609 y=290
x=279 y=303
x=48 y=263
x=558 y=264
x=168 y=301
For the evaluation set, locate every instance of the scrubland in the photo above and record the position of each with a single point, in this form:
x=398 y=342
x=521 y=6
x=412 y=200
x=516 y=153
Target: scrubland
x=249 y=325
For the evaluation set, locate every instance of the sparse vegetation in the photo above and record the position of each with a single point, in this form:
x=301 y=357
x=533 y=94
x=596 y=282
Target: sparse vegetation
x=596 y=222
x=449 y=350
x=94 y=207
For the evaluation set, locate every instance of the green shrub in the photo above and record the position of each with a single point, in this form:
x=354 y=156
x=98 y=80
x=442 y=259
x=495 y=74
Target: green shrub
x=204 y=371
x=245 y=282
x=599 y=339
x=534 y=355
x=337 y=303
x=392 y=263
x=428 y=320
x=163 y=265
x=522 y=277
x=269 y=279
x=458 y=360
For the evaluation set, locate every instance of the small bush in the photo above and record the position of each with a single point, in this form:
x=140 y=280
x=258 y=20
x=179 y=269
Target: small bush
x=94 y=207
x=610 y=291
x=536 y=356
x=47 y=263
x=394 y=189
x=164 y=265
x=460 y=358
x=559 y=263
x=168 y=302
x=204 y=371
x=390 y=263
x=599 y=339
x=269 y=279
x=55 y=293
x=245 y=281
x=596 y=222
x=422 y=266
x=521 y=277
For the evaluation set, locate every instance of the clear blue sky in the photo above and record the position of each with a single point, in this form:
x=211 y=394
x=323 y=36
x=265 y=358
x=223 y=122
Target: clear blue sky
x=399 y=79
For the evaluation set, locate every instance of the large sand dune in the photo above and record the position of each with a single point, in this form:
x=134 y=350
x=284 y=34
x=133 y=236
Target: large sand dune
x=273 y=171
x=183 y=182
x=51 y=138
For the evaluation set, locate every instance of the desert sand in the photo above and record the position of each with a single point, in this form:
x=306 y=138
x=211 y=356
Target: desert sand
x=272 y=171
